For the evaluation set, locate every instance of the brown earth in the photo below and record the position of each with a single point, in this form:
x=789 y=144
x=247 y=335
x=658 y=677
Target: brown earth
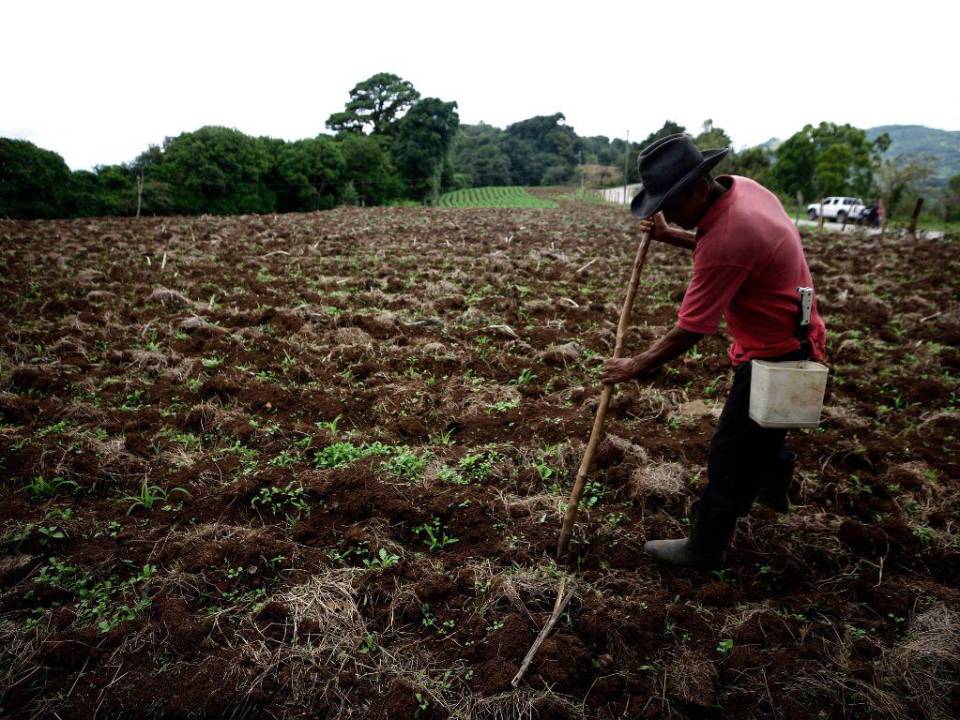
x=218 y=360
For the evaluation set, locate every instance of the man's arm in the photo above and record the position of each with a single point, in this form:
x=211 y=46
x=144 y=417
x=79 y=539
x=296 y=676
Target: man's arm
x=672 y=345
x=668 y=234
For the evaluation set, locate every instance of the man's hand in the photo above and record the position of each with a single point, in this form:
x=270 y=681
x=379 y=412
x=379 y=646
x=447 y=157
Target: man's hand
x=672 y=345
x=657 y=226
x=659 y=229
x=617 y=370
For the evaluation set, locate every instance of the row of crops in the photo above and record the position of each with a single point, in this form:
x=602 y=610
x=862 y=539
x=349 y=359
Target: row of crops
x=494 y=197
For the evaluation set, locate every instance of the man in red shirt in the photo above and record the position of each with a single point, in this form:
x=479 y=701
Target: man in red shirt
x=748 y=264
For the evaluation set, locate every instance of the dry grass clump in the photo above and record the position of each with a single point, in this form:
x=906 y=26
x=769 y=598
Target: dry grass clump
x=914 y=679
x=658 y=478
x=320 y=634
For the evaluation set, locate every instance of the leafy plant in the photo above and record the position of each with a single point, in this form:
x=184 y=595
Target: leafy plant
x=103 y=602
x=382 y=561
x=330 y=425
x=725 y=646
x=435 y=535
x=286 y=458
x=505 y=405
x=343 y=453
x=924 y=533
x=478 y=466
x=149 y=496
x=592 y=494
x=448 y=474
x=405 y=464
x=40 y=487
x=544 y=471
x=281 y=500
x=525 y=377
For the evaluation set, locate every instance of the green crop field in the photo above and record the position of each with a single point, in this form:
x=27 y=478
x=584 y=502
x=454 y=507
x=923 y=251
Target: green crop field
x=494 y=197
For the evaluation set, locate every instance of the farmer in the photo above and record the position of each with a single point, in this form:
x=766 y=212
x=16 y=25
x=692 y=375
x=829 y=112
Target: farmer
x=748 y=264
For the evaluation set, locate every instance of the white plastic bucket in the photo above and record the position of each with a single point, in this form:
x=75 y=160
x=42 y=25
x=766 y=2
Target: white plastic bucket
x=787 y=394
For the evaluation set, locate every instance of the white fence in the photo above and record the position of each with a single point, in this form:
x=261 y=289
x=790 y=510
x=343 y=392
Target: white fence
x=615 y=195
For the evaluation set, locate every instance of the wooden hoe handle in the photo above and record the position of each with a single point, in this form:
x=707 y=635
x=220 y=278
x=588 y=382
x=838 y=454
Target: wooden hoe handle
x=574 y=503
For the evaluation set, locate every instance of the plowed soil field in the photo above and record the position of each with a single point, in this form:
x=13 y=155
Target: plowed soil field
x=313 y=466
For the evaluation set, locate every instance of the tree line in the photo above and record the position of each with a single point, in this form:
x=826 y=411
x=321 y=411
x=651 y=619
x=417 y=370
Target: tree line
x=389 y=145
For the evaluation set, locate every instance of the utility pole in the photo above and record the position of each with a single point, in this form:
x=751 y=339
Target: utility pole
x=626 y=160
x=139 y=191
x=581 y=172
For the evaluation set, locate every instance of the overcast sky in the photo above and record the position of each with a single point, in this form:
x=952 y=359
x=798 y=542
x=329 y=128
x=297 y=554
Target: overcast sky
x=98 y=82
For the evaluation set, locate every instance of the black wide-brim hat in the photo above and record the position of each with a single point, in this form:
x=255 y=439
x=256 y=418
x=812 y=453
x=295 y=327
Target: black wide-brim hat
x=667 y=167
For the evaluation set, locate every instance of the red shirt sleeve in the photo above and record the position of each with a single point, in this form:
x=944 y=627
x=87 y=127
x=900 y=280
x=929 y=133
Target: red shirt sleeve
x=709 y=293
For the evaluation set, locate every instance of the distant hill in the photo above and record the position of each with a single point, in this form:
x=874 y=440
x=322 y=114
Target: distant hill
x=944 y=145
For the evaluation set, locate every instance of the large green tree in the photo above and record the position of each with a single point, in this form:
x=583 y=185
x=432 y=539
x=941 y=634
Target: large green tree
x=902 y=177
x=307 y=174
x=753 y=163
x=542 y=149
x=421 y=146
x=375 y=105
x=951 y=199
x=218 y=170
x=368 y=170
x=712 y=137
x=828 y=159
x=34 y=183
x=479 y=156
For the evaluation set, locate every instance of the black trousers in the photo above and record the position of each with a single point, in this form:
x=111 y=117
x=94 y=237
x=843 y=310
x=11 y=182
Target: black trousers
x=743 y=455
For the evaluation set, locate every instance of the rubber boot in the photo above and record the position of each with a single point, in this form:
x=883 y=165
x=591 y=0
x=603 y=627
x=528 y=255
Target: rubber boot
x=705 y=548
x=774 y=493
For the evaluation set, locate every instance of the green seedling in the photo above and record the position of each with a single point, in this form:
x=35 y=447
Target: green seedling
x=448 y=474
x=369 y=644
x=40 y=487
x=330 y=425
x=924 y=533
x=436 y=537
x=526 y=376
x=725 y=647
x=479 y=465
x=382 y=561
x=444 y=438
x=544 y=471
x=406 y=465
x=279 y=500
x=149 y=496
x=344 y=453
x=286 y=458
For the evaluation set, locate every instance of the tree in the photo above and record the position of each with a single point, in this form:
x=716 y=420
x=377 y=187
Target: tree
x=375 y=104
x=752 y=163
x=218 y=170
x=423 y=139
x=793 y=171
x=539 y=144
x=669 y=128
x=712 y=137
x=901 y=176
x=479 y=156
x=307 y=175
x=34 y=182
x=369 y=174
x=828 y=159
x=951 y=199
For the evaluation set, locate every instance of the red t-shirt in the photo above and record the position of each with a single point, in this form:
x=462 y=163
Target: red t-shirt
x=747 y=266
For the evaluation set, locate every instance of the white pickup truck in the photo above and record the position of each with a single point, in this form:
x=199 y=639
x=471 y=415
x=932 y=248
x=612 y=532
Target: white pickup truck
x=841 y=209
